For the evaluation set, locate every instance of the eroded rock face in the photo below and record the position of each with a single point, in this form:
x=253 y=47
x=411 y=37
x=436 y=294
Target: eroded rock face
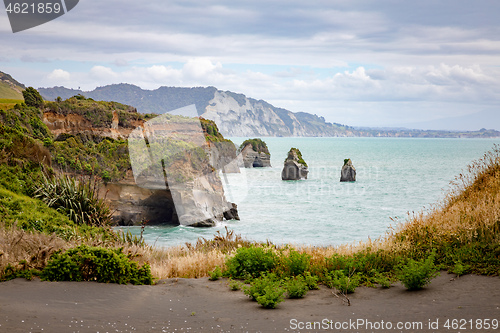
x=75 y=124
x=254 y=159
x=192 y=195
x=348 y=172
x=294 y=168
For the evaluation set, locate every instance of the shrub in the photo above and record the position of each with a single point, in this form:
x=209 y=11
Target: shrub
x=346 y=284
x=459 y=268
x=296 y=287
x=234 y=285
x=311 y=281
x=86 y=263
x=251 y=260
x=417 y=274
x=272 y=296
x=32 y=97
x=215 y=274
x=78 y=199
x=257 y=286
x=296 y=263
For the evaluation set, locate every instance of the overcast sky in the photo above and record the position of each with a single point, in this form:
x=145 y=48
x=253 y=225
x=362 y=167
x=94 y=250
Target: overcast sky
x=356 y=62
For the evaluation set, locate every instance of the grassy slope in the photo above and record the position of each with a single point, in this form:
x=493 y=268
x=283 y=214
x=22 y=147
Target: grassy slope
x=7 y=92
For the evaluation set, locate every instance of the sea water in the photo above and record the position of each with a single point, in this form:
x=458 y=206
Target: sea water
x=395 y=177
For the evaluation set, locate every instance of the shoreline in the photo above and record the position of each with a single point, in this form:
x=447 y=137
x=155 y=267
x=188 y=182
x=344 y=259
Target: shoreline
x=199 y=305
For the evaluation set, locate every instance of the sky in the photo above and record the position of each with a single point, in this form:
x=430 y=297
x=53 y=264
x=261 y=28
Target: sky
x=374 y=63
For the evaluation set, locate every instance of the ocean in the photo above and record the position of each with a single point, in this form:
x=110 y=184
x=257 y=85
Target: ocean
x=395 y=177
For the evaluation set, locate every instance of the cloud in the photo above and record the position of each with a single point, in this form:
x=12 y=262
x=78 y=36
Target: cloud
x=367 y=59
x=59 y=75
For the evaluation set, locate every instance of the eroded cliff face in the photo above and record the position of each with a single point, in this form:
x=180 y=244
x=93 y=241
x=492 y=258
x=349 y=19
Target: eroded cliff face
x=76 y=124
x=190 y=191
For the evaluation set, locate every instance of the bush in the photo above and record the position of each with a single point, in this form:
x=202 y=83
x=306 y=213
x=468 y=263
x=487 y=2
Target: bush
x=272 y=296
x=296 y=263
x=234 y=285
x=78 y=199
x=32 y=97
x=257 y=286
x=215 y=274
x=459 y=268
x=252 y=261
x=86 y=263
x=346 y=284
x=417 y=274
x=311 y=281
x=296 y=287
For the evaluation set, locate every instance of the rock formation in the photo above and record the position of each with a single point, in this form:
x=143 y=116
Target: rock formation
x=294 y=168
x=178 y=164
x=255 y=154
x=348 y=173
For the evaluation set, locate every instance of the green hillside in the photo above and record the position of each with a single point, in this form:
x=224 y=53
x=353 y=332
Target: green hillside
x=10 y=88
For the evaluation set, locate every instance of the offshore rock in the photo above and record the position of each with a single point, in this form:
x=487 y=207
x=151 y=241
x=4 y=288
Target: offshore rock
x=255 y=154
x=232 y=213
x=348 y=173
x=294 y=168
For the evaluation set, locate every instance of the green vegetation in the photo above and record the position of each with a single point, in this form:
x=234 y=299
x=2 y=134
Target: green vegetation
x=296 y=287
x=211 y=131
x=266 y=290
x=417 y=274
x=257 y=145
x=99 y=156
x=98 y=113
x=252 y=261
x=8 y=103
x=85 y=263
x=76 y=198
x=299 y=155
x=32 y=97
x=215 y=274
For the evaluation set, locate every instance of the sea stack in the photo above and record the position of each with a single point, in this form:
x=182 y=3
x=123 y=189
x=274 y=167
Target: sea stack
x=348 y=173
x=255 y=154
x=294 y=168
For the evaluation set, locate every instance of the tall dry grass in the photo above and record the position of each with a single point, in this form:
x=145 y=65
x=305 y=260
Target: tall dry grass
x=469 y=213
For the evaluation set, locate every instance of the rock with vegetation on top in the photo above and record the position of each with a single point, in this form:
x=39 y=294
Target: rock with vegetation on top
x=348 y=173
x=294 y=168
x=255 y=154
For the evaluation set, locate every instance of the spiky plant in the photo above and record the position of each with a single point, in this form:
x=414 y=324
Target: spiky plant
x=77 y=198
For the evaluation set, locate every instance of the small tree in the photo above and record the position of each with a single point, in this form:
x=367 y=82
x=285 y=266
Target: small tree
x=32 y=97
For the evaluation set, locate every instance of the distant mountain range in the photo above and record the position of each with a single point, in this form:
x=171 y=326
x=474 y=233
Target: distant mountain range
x=235 y=114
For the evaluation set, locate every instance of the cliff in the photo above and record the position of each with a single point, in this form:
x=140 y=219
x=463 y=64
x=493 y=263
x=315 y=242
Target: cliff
x=182 y=187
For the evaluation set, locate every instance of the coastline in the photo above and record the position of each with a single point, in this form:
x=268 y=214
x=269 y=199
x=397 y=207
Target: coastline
x=199 y=305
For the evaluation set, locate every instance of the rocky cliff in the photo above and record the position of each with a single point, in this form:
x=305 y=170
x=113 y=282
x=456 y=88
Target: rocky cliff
x=174 y=176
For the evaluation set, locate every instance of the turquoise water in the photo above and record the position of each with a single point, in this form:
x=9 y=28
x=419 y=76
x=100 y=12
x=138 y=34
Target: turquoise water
x=395 y=176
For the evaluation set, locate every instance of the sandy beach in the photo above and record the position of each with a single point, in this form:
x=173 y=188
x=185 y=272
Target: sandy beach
x=199 y=305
